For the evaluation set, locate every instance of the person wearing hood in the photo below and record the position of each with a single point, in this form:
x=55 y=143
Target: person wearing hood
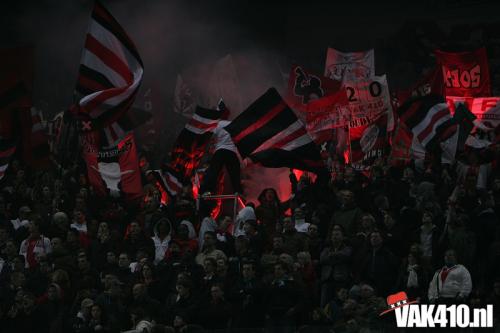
x=244 y=215
x=161 y=238
x=191 y=230
x=183 y=240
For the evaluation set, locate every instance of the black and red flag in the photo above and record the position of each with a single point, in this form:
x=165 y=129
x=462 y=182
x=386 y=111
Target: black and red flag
x=113 y=171
x=268 y=132
x=109 y=78
x=193 y=140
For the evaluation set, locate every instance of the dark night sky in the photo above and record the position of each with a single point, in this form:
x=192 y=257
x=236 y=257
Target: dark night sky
x=174 y=35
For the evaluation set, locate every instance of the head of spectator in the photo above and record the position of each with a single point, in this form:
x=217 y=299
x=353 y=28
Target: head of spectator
x=148 y=273
x=346 y=198
x=313 y=231
x=288 y=225
x=17 y=280
x=124 y=261
x=287 y=259
x=427 y=218
x=103 y=233
x=241 y=245
x=60 y=221
x=24 y=213
x=281 y=271
x=61 y=278
x=217 y=293
x=183 y=288
x=83 y=262
x=224 y=223
x=278 y=244
x=250 y=228
x=376 y=240
x=269 y=197
x=450 y=258
x=210 y=241
x=34 y=229
x=19 y=263
x=29 y=302
x=248 y=270
x=304 y=259
x=54 y=293
x=86 y=308
x=222 y=267
x=134 y=230
x=210 y=266
x=367 y=224
x=9 y=250
x=139 y=291
x=337 y=236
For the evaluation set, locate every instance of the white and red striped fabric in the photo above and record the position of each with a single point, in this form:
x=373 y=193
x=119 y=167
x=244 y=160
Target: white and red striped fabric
x=110 y=74
x=436 y=116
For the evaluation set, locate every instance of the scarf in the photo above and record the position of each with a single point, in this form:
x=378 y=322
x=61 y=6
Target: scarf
x=412 y=276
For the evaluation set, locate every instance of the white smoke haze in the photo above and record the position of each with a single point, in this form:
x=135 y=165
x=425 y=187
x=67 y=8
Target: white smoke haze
x=256 y=178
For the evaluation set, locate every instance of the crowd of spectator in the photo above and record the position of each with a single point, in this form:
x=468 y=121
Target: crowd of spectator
x=324 y=259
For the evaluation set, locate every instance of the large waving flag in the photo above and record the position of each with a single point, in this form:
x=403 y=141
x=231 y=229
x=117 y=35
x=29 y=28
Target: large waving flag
x=110 y=74
x=429 y=118
x=269 y=133
x=192 y=141
x=432 y=124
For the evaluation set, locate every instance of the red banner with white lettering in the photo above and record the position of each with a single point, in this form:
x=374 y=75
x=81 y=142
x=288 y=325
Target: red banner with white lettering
x=465 y=74
x=113 y=171
x=325 y=114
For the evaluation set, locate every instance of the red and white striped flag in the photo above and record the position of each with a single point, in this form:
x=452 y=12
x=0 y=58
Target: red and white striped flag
x=110 y=74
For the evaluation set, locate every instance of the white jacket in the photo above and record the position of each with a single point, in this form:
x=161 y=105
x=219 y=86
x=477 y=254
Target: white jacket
x=458 y=283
